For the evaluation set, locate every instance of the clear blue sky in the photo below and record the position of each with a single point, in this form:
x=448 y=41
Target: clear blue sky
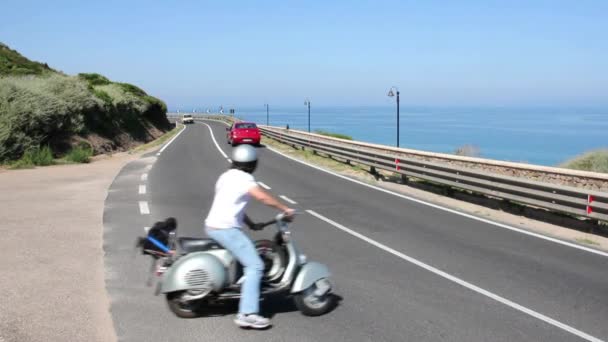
x=499 y=53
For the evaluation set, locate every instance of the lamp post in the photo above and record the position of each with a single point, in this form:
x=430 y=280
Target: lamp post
x=307 y=103
x=267 y=116
x=392 y=94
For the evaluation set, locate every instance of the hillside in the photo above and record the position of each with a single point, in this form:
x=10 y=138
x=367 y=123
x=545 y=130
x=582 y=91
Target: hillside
x=13 y=63
x=40 y=106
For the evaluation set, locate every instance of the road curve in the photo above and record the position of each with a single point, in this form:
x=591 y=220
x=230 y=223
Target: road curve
x=404 y=270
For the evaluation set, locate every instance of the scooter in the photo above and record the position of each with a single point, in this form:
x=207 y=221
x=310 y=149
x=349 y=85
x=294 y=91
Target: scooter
x=204 y=273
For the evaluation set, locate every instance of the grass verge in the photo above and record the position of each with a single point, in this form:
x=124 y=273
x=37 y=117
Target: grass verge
x=334 y=135
x=161 y=140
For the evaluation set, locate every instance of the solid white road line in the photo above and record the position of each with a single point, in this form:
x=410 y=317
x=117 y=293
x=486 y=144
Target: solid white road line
x=459 y=281
x=142 y=189
x=501 y=225
x=214 y=141
x=287 y=199
x=264 y=186
x=170 y=141
x=143 y=208
x=144 y=177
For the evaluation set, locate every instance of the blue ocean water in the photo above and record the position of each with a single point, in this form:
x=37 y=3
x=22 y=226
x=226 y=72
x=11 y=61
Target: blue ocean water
x=544 y=136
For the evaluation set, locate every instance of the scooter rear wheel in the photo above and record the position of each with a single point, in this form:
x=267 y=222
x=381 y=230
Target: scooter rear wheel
x=183 y=309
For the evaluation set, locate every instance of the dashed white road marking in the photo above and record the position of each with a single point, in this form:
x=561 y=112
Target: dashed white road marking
x=144 y=177
x=459 y=281
x=142 y=189
x=264 y=186
x=143 y=208
x=170 y=141
x=287 y=199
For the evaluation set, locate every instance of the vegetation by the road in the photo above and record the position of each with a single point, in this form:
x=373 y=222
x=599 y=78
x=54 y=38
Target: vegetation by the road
x=335 y=135
x=161 y=140
x=467 y=151
x=41 y=107
x=596 y=161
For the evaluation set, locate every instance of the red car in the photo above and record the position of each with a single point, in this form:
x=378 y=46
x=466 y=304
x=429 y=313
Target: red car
x=243 y=133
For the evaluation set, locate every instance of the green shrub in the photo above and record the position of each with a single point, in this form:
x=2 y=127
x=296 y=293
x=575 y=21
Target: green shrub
x=102 y=95
x=38 y=111
x=595 y=161
x=35 y=157
x=12 y=63
x=94 y=79
x=335 y=135
x=80 y=154
x=129 y=88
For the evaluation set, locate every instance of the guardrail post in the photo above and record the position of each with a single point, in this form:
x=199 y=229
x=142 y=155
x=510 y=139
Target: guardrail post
x=373 y=171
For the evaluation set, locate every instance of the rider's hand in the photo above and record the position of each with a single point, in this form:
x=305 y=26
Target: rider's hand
x=289 y=214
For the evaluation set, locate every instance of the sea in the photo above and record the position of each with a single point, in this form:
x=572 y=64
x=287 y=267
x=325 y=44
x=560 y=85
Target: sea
x=535 y=135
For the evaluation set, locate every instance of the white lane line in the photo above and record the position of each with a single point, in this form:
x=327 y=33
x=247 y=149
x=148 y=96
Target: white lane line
x=142 y=189
x=264 y=186
x=170 y=141
x=215 y=141
x=143 y=208
x=144 y=177
x=459 y=281
x=501 y=225
x=287 y=199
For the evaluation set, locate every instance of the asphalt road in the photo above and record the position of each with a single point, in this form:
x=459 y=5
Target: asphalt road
x=405 y=271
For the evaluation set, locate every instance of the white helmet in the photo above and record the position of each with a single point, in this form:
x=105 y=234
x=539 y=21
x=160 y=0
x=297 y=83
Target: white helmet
x=245 y=158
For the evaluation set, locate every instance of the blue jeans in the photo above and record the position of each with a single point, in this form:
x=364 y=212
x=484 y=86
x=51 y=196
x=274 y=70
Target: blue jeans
x=243 y=249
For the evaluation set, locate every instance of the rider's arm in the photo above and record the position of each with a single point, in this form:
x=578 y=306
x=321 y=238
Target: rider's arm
x=264 y=197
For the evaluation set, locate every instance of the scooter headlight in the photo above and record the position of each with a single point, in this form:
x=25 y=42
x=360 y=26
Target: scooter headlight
x=302 y=259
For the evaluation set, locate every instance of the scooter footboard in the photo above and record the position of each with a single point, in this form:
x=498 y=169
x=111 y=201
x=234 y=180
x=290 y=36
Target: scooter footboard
x=308 y=275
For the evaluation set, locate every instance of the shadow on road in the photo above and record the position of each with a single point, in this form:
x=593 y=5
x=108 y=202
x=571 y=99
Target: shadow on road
x=269 y=307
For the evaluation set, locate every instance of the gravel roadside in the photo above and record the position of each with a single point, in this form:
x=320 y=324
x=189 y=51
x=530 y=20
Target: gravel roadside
x=52 y=259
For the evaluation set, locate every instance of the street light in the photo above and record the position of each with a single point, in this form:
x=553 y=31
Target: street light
x=307 y=103
x=267 y=116
x=392 y=94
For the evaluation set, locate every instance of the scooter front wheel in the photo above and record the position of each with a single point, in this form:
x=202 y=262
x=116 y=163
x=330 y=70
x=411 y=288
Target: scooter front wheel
x=311 y=304
x=181 y=308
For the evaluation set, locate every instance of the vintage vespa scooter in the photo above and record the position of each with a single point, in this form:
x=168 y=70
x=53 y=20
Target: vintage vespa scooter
x=204 y=273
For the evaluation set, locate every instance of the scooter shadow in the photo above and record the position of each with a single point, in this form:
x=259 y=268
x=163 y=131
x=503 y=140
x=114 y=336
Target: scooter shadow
x=269 y=307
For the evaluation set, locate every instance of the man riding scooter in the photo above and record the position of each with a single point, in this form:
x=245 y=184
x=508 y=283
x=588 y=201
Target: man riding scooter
x=224 y=224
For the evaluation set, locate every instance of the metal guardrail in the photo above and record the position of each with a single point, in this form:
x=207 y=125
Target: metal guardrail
x=554 y=197
x=571 y=200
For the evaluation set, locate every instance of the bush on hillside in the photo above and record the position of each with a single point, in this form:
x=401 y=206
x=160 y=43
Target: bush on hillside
x=41 y=110
x=13 y=63
x=595 y=161
x=40 y=106
x=80 y=154
x=94 y=79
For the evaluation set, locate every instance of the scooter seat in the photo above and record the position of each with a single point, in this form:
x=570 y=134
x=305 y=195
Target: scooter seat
x=190 y=244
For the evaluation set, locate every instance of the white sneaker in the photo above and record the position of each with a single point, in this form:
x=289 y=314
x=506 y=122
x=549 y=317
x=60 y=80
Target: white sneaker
x=251 y=321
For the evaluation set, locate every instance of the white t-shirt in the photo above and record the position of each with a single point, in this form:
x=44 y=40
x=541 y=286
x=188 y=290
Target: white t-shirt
x=231 y=198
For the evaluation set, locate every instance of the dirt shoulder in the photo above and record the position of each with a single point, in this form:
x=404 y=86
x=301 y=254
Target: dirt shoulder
x=517 y=221
x=52 y=259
